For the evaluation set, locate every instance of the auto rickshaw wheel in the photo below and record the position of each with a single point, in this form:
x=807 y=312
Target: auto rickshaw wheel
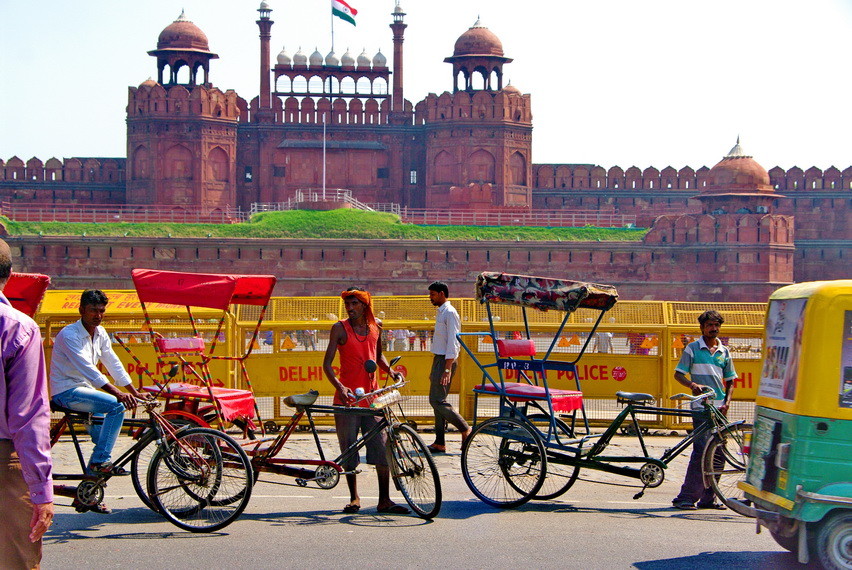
x=834 y=541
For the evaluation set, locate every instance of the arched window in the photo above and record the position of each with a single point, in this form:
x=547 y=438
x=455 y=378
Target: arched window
x=446 y=171
x=141 y=161
x=481 y=167
x=217 y=164
x=179 y=163
x=518 y=168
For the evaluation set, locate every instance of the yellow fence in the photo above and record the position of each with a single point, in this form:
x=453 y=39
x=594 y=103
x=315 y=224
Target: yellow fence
x=635 y=348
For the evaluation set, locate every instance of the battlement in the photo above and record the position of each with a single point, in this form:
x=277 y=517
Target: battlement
x=505 y=105
x=152 y=99
x=83 y=169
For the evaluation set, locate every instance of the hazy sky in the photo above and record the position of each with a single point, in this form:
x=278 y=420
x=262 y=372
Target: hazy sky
x=613 y=82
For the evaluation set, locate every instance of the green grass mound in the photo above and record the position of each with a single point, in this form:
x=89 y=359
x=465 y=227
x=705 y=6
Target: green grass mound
x=335 y=224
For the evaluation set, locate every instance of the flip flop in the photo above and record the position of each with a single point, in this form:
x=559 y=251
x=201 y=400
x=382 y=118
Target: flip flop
x=351 y=509
x=393 y=510
x=714 y=506
x=435 y=448
x=100 y=508
x=108 y=469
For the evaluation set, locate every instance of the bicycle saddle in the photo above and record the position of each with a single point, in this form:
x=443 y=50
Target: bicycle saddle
x=298 y=400
x=634 y=396
x=54 y=407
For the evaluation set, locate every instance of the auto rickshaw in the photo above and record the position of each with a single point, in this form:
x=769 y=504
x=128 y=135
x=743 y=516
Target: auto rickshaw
x=799 y=478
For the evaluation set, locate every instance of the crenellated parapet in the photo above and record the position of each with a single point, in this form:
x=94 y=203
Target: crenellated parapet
x=337 y=111
x=508 y=105
x=151 y=99
x=82 y=169
x=594 y=177
x=705 y=229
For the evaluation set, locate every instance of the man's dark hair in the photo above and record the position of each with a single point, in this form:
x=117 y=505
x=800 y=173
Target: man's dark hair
x=440 y=287
x=710 y=316
x=93 y=297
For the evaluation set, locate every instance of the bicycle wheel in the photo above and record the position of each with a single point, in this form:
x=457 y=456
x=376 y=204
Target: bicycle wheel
x=560 y=476
x=201 y=481
x=414 y=472
x=503 y=462
x=142 y=459
x=725 y=460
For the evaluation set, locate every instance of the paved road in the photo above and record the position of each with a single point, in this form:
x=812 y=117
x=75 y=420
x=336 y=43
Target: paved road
x=595 y=525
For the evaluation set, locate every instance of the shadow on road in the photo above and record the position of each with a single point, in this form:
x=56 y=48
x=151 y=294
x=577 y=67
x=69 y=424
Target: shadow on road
x=755 y=560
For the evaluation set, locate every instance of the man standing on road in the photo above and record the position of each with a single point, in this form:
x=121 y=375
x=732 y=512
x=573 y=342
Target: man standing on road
x=708 y=363
x=26 y=469
x=76 y=382
x=445 y=347
x=358 y=339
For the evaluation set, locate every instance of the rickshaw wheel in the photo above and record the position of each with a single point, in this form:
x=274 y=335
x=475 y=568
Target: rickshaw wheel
x=503 y=462
x=142 y=458
x=725 y=461
x=560 y=477
x=201 y=481
x=834 y=541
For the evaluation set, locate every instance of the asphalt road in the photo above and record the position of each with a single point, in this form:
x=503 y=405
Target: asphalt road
x=596 y=524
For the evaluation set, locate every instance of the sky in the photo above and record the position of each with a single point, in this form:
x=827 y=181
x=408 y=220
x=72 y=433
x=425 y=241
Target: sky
x=613 y=82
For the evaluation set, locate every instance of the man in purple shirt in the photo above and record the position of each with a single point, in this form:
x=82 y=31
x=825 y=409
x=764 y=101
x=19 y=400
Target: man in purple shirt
x=26 y=469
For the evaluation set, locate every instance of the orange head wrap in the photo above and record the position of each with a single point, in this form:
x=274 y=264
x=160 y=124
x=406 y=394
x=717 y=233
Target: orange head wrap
x=365 y=298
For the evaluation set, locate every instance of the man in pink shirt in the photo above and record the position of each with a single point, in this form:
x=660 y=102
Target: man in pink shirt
x=26 y=469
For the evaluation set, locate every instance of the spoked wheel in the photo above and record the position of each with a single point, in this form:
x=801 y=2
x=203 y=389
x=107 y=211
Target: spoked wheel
x=142 y=459
x=725 y=460
x=414 y=472
x=504 y=462
x=560 y=476
x=201 y=481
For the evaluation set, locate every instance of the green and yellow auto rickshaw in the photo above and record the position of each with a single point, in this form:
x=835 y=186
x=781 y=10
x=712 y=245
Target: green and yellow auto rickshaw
x=799 y=478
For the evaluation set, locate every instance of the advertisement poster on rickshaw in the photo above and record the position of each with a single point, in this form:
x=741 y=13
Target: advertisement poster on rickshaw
x=783 y=345
x=846 y=363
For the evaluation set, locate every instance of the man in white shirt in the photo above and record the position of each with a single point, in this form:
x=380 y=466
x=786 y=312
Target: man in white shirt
x=445 y=347
x=400 y=339
x=76 y=382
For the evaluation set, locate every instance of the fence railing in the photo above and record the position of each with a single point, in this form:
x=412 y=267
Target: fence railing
x=546 y=218
x=111 y=213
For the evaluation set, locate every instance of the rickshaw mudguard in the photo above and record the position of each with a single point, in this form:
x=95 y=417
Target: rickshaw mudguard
x=816 y=505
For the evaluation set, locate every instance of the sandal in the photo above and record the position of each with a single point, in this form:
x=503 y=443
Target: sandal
x=393 y=510
x=351 y=509
x=99 y=508
x=107 y=468
x=714 y=506
x=435 y=448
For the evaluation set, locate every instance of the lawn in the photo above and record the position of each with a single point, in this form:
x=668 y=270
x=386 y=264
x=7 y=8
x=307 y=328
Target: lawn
x=336 y=224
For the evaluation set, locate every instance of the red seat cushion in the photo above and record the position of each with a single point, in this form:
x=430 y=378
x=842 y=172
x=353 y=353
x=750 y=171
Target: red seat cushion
x=191 y=344
x=516 y=347
x=563 y=400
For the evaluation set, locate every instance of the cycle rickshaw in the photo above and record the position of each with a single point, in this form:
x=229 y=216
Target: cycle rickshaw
x=534 y=448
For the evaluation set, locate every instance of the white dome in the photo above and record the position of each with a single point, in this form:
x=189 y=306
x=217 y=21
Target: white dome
x=284 y=57
x=347 y=59
x=316 y=59
x=364 y=59
x=264 y=5
x=331 y=59
x=379 y=60
x=300 y=58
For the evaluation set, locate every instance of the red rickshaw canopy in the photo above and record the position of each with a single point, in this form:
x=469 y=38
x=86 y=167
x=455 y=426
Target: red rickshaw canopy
x=543 y=293
x=25 y=291
x=210 y=290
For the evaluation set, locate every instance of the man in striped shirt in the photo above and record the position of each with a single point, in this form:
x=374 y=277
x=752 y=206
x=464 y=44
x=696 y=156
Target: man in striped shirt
x=708 y=363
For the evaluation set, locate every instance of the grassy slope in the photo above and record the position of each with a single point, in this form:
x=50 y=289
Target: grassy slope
x=348 y=224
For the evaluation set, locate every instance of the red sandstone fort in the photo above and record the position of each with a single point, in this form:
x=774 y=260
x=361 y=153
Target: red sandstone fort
x=721 y=233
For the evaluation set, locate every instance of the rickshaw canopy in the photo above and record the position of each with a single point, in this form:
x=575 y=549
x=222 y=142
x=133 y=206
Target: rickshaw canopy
x=210 y=290
x=25 y=291
x=543 y=293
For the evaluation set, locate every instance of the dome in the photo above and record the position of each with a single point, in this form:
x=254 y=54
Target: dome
x=379 y=60
x=316 y=59
x=737 y=173
x=478 y=40
x=331 y=59
x=364 y=59
x=509 y=88
x=300 y=58
x=347 y=60
x=284 y=57
x=183 y=35
x=148 y=83
x=264 y=6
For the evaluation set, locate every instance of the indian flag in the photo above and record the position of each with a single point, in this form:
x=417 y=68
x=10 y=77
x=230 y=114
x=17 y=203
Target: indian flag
x=343 y=11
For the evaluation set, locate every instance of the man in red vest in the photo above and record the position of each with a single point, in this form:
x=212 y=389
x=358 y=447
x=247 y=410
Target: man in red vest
x=358 y=339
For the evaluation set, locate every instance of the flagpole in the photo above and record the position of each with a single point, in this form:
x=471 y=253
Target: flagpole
x=323 y=156
x=332 y=30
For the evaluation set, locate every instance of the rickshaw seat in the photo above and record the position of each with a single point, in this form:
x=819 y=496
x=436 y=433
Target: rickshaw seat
x=563 y=400
x=188 y=344
x=54 y=407
x=634 y=396
x=516 y=347
x=300 y=400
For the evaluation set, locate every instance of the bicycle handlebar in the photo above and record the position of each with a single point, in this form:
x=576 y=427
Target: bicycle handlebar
x=707 y=393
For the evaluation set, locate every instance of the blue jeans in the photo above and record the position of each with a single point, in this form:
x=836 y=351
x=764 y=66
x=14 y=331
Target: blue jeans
x=102 y=405
x=693 y=489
